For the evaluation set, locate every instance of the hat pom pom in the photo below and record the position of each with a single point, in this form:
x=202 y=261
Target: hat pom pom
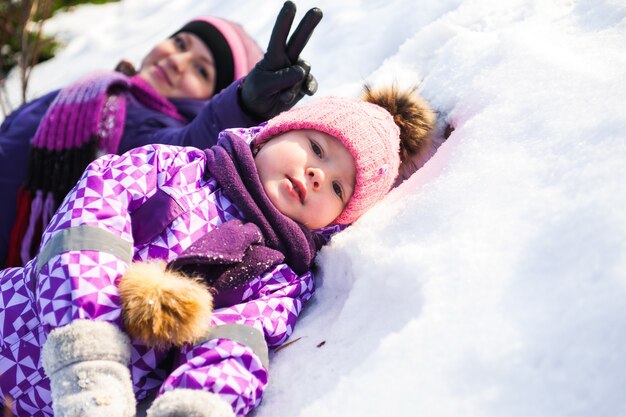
x=410 y=112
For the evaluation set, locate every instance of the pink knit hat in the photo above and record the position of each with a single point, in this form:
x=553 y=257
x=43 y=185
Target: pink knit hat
x=235 y=52
x=368 y=132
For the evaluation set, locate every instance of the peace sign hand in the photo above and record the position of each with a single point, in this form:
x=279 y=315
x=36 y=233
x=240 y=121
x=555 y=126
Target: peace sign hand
x=281 y=78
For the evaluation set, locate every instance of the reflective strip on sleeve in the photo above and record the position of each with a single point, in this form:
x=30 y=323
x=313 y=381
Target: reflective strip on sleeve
x=245 y=335
x=85 y=238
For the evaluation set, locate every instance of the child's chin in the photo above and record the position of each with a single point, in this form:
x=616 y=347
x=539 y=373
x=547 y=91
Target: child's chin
x=278 y=201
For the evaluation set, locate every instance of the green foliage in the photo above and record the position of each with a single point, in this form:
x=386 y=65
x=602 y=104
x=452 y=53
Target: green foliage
x=65 y=4
x=9 y=41
x=11 y=48
x=13 y=14
x=22 y=43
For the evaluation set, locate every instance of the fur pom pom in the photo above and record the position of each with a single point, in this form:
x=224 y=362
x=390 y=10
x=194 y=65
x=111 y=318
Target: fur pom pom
x=411 y=113
x=162 y=308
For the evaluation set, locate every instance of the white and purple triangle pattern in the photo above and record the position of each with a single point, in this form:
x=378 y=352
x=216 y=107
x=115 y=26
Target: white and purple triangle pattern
x=82 y=284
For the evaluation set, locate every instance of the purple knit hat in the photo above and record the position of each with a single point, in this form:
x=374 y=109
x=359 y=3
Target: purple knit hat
x=368 y=132
x=235 y=52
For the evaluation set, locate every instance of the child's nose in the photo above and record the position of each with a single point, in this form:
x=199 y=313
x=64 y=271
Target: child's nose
x=316 y=177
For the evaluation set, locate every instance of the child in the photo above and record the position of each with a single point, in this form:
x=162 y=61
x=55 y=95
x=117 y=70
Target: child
x=56 y=136
x=86 y=333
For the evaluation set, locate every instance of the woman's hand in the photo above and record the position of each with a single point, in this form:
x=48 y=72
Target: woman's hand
x=281 y=78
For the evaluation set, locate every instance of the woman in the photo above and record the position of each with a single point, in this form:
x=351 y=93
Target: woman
x=46 y=144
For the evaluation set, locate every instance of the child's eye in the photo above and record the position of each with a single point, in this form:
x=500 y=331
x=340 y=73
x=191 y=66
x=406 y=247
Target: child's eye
x=180 y=43
x=337 y=189
x=316 y=149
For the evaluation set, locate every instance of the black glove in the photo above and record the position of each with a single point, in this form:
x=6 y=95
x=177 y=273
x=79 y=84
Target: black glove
x=281 y=78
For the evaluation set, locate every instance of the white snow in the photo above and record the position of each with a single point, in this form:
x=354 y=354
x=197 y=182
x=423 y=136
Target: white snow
x=493 y=282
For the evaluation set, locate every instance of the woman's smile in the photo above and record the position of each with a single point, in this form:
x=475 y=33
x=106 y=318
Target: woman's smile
x=161 y=73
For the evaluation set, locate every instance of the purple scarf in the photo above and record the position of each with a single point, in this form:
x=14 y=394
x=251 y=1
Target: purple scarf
x=232 y=254
x=85 y=118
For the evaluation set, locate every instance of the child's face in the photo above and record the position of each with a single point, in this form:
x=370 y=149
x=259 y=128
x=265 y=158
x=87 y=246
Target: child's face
x=308 y=175
x=180 y=67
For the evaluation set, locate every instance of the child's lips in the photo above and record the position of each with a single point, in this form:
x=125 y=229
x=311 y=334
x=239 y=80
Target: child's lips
x=297 y=189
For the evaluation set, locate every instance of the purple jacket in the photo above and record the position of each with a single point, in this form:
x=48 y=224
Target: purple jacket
x=70 y=283
x=143 y=126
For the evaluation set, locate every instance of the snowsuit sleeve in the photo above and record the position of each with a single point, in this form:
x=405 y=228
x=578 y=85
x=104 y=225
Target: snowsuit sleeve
x=91 y=234
x=221 y=112
x=236 y=370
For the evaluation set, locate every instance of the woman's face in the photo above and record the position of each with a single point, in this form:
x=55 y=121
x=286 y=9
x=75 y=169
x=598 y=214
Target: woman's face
x=309 y=176
x=180 y=67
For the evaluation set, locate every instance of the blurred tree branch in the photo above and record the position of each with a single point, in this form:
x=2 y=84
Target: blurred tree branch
x=34 y=15
x=22 y=42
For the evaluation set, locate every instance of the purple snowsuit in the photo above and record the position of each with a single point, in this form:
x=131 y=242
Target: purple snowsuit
x=142 y=126
x=50 y=292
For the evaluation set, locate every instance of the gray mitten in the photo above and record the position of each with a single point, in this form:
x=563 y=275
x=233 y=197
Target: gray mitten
x=182 y=402
x=86 y=362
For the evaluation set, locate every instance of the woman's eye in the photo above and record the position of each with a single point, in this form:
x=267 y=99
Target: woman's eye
x=337 y=189
x=203 y=72
x=180 y=43
x=316 y=149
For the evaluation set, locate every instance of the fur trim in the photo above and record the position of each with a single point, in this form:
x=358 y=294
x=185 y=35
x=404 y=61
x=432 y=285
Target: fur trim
x=163 y=308
x=411 y=113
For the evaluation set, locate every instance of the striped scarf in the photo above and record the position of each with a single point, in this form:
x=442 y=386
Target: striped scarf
x=84 y=120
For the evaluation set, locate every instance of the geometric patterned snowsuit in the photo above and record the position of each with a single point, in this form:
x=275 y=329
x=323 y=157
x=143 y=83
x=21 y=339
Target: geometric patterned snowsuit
x=74 y=284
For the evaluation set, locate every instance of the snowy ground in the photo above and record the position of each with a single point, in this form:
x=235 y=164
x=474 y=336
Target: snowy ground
x=493 y=282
